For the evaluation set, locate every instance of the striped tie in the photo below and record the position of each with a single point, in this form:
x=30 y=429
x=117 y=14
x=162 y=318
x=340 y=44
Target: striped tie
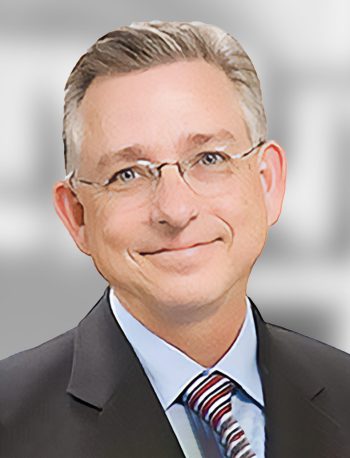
x=210 y=397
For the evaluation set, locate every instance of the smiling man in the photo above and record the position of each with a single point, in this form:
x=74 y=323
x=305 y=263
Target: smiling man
x=171 y=188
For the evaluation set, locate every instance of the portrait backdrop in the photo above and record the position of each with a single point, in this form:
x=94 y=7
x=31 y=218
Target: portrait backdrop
x=302 y=56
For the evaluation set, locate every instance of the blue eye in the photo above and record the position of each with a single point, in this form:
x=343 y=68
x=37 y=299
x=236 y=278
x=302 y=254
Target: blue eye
x=212 y=156
x=126 y=174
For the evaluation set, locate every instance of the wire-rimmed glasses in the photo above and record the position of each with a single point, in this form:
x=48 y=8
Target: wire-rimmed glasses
x=207 y=173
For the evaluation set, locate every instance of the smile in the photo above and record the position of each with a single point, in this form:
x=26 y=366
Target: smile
x=188 y=248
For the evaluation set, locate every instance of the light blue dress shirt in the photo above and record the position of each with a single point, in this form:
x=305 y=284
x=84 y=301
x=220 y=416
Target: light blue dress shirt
x=170 y=371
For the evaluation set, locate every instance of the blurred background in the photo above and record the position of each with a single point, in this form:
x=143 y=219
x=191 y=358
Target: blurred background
x=301 y=51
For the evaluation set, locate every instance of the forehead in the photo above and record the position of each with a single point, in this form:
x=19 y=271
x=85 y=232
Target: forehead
x=169 y=107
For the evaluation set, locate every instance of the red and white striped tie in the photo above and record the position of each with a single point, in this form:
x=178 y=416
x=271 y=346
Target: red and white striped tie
x=210 y=397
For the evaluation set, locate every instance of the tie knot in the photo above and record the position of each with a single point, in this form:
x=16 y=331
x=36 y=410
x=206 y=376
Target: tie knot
x=210 y=397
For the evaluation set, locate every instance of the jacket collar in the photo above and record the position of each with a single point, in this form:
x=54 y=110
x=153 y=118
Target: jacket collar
x=107 y=376
x=102 y=357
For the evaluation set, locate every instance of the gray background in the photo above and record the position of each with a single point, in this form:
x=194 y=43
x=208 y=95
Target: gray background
x=302 y=53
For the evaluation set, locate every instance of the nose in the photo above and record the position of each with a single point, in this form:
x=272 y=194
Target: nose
x=174 y=204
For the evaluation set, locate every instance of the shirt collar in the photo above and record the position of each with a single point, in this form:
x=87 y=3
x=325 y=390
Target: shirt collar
x=171 y=370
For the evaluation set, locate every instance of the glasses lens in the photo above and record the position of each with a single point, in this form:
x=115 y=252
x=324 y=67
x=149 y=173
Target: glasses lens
x=212 y=173
x=130 y=180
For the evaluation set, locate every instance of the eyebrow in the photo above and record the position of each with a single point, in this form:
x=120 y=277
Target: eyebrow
x=138 y=151
x=202 y=139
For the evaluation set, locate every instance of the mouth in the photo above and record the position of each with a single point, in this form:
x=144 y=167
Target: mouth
x=183 y=248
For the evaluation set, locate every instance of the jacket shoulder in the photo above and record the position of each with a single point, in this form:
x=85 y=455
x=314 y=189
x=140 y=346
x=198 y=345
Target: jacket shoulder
x=310 y=354
x=31 y=374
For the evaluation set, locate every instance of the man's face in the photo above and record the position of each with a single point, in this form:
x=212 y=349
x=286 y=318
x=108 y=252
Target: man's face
x=161 y=110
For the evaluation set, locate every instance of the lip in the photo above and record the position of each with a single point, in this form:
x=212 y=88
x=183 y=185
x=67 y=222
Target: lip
x=182 y=248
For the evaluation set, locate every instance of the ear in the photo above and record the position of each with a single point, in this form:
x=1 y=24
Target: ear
x=71 y=213
x=273 y=169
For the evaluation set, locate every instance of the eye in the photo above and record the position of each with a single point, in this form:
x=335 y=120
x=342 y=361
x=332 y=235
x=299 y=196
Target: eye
x=124 y=175
x=212 y=158
x=127 y=174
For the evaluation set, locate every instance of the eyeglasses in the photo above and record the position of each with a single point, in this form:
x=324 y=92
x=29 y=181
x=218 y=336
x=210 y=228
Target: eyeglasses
x=207 y=173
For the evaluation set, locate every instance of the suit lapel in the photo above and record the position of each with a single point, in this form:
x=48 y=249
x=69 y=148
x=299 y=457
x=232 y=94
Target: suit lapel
x=296 y=423
x=107 y=376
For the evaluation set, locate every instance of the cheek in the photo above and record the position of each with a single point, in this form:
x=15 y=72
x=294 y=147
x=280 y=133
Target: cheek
x=243 y=212
x=117 y=230
x=107 y=228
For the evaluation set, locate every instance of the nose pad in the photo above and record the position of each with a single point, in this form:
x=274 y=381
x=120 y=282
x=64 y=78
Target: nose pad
x=170 y=164
x=161 y=173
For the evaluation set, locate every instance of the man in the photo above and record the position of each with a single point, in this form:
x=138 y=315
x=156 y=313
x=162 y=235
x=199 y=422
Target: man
x=171 y=188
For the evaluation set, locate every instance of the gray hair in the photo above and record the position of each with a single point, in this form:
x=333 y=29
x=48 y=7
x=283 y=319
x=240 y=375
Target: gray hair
x=143 y=45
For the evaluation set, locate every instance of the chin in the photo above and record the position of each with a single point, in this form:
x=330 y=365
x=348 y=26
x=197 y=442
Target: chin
x=185 y=293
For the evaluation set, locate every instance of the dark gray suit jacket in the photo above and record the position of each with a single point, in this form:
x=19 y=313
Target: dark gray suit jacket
x=84 y=394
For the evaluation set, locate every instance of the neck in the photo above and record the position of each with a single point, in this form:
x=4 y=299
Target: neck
x=205 y=339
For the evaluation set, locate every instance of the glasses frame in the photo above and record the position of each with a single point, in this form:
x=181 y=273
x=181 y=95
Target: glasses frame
x=156 y=168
